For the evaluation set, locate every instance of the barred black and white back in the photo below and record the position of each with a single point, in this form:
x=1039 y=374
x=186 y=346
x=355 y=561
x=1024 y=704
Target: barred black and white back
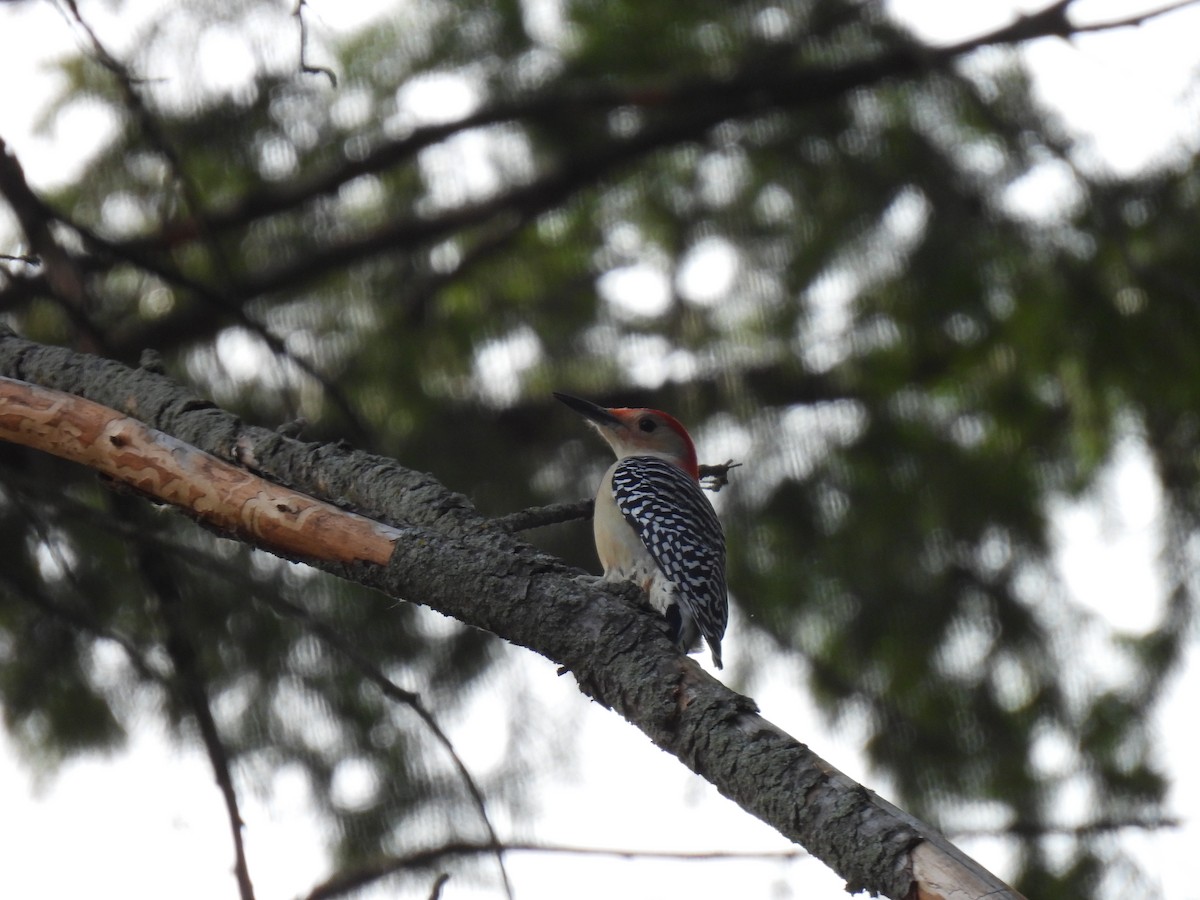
x=677 y=525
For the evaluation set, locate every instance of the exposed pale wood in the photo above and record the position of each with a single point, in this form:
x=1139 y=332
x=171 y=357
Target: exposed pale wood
x=942 y=875
x=221 y=495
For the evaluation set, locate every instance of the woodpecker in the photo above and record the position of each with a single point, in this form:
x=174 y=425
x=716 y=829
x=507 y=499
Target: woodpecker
x=654 y=526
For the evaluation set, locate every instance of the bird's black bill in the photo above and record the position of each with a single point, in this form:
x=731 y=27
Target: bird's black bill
x=597 y=414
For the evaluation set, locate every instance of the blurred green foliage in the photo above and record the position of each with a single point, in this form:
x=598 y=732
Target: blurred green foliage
x=841 y=292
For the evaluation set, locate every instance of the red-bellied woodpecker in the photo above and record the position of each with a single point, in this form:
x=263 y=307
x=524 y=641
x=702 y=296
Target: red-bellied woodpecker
x=655 y=527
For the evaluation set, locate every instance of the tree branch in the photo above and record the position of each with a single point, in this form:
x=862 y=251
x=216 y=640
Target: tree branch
x=345 y=882
x=1087 y=829
x=413 y=701
x=1136 y=20
x=190 y=685
x=751 y=91
x=541 y=516
x=60 y=270
x=221 y=495
x=443 y=554
x=714 y=477
x=305 y=66
x=435 y=892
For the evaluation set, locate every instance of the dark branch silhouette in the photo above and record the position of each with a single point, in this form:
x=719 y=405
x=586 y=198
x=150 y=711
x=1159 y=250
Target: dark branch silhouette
x=363 y=876
x=189 y=681
x=413 y=701
x=305 y=66
x=542 y=516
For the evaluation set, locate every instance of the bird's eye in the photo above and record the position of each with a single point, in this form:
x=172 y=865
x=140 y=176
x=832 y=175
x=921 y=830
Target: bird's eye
x=647 y=424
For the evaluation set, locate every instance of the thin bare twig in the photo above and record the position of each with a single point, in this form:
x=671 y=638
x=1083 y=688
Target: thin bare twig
x=163 y=587
x=715 y=476
x=1135 y=20
x=1086 y=829
x=541 y=516
x=412 y=700
x=1052 y=21
x=305 y=66
x=345 y=882
x=438 y=883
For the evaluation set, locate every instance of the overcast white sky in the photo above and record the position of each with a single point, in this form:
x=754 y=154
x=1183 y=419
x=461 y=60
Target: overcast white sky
x=149 y=823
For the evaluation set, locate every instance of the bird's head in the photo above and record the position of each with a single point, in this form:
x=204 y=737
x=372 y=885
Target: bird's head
x=639 y=432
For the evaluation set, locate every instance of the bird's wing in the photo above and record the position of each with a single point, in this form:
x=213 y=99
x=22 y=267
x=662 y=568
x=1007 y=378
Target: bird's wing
x=677 y=524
